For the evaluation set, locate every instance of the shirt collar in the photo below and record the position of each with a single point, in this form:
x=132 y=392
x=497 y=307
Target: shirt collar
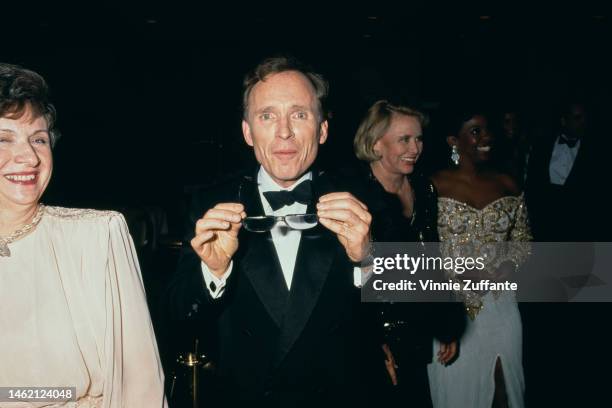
x=265 y=182
x=576 y=146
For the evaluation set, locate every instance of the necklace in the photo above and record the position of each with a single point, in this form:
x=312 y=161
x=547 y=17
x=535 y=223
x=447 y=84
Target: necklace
x=4 y=241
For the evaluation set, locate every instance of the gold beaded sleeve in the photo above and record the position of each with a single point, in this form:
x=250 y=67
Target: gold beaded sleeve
x=519 y=239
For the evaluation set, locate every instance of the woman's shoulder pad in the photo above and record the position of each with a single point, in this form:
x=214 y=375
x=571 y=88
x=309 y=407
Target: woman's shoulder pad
x=79 y=213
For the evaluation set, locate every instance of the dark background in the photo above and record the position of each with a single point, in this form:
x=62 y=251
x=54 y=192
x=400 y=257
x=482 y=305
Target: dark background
x=149 y=97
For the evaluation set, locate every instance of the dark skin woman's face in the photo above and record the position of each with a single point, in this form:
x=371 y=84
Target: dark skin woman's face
x=474 y=140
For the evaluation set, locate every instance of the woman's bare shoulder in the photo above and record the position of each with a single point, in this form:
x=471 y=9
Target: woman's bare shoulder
x=443 y=180
x=509 y=183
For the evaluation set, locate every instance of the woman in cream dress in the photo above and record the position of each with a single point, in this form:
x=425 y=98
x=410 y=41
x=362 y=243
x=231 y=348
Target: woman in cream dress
x=74 y=312
x=482 y=213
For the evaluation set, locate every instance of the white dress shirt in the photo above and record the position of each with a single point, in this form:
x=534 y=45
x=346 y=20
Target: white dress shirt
x=562 y=161
x=286 y=240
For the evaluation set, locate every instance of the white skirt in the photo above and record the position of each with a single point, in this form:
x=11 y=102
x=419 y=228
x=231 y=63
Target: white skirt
x=496 y=332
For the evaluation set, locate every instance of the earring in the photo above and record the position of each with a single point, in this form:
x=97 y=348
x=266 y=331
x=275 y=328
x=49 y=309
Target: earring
x=455 y=155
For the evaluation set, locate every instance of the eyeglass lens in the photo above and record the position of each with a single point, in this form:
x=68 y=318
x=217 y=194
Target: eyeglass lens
x=293 y=221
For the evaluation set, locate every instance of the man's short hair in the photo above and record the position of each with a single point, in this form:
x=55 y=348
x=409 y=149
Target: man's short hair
x=565 y=106
x=277 y=65
x=375 y=125
x=20 y=88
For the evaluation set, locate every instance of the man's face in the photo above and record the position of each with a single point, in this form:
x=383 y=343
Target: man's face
x=575 y=122
x=283 y=126
x=510 y=124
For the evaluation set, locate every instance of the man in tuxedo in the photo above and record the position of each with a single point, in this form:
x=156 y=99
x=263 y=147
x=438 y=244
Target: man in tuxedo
x=284 y=296
x=562 y=168
x=563 y=201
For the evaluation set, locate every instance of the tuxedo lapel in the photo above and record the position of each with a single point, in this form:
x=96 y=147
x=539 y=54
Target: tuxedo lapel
x=260 y=263
x=575 y=173
x=548 y=157
x=542 y=160
x=262 y=268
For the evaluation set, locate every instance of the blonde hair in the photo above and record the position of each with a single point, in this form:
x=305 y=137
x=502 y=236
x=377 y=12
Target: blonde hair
x=375 y=124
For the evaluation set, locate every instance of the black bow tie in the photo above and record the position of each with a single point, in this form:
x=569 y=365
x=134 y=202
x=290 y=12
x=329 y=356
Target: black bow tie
x=569 y=142
x=302 y=193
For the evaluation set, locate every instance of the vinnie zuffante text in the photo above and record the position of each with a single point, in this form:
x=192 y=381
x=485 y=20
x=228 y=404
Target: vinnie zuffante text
x=411 y=265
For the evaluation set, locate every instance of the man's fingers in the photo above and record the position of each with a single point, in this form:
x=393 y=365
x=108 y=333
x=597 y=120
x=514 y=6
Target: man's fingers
x=233 y=207
x=351 y=235
x=352 y=205
x=203 y=225
x=199 y=240
x=336 y=227
x=226 y=215
x=223 y=216
x=347 y=217
x=342 y=196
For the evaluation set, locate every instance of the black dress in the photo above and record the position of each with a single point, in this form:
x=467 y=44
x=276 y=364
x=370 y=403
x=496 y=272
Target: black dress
x=409 y=327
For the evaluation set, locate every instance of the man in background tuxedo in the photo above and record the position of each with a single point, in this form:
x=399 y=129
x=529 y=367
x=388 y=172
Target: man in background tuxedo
x=562 y=170
x=564 y=203
x=285 y=299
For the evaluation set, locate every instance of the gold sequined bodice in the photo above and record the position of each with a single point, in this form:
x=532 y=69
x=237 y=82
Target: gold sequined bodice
x=460 y=223
x=466 y=231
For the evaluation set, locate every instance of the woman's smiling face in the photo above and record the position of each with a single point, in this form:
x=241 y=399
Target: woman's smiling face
x=26 y=162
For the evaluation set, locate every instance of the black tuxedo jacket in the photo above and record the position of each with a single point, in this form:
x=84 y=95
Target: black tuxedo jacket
x=563 y=213
x=541 y=157
x=309 y=344
x=573 y=212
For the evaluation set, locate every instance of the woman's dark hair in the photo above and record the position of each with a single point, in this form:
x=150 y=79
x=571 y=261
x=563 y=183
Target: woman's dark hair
x=21 y=88
x=455 y=116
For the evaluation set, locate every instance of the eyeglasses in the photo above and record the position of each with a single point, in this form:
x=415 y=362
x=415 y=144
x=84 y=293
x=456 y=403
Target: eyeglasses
x=265 y=223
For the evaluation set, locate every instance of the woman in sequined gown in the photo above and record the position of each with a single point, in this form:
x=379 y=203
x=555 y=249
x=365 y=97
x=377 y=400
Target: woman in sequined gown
x=479 y=208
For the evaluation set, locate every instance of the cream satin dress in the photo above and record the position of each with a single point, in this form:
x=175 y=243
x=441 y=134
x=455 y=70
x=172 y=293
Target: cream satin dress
x=73 y=313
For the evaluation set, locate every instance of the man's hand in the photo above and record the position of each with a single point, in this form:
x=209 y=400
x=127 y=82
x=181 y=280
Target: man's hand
x=390 y=364
x=349 y=219
x=447 y=352
x=216 y=236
